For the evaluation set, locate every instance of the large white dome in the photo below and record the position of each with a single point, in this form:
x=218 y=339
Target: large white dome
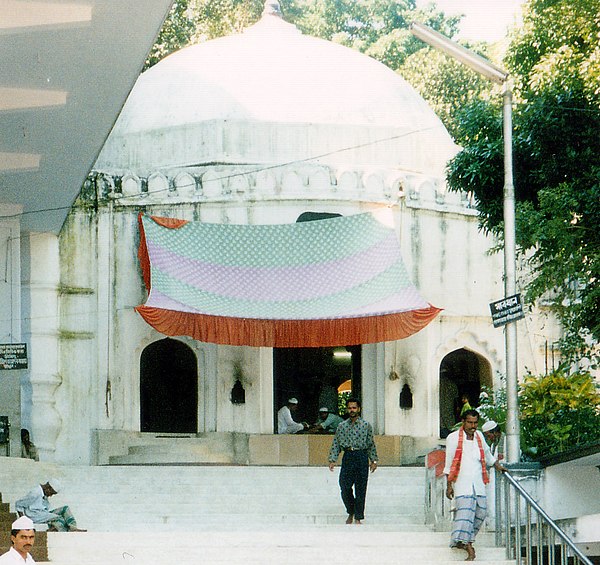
x=271 y=81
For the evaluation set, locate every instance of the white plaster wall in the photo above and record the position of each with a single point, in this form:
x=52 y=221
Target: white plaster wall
x=41 y=278
x=249 y=142
x=444 y=252
x=240 y=417
x=578 y=486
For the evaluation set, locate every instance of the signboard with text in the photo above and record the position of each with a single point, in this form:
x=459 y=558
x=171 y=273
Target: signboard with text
x=507 y=310
x=13 y=356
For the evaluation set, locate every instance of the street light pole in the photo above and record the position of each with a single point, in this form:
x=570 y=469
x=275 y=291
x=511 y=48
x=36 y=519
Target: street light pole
x=499 y=76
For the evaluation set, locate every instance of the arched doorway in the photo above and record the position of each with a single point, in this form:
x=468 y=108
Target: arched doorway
x=168 y=388
x=314 y=375
x=462 y=372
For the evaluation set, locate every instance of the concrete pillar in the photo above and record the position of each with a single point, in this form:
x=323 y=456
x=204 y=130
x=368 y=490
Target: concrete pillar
x=40 y=259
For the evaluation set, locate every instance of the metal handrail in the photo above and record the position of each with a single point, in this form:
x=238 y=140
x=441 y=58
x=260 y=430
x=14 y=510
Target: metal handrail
x=522 y=526
x=535 y=530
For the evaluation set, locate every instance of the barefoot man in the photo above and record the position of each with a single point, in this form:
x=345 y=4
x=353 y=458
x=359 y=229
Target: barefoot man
x=354 y=437
x=467 y=460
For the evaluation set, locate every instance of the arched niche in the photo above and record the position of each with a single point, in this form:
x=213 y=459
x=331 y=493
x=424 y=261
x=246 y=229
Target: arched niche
x=168 y=388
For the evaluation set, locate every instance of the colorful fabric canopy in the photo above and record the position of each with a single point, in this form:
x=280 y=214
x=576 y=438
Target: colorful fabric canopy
x=338 y=281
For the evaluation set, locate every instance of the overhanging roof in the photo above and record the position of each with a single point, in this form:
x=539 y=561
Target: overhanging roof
x=66 y=69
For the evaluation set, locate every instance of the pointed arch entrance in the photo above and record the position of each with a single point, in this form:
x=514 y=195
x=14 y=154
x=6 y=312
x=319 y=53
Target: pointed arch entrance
x=315 y=376
x=462 y=373
x=168 y=388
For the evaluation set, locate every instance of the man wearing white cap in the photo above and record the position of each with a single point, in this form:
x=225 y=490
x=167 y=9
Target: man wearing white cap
x=36 y=506
x=285 y=423
x=22 y=537
x=327 y=422
x=493 y=434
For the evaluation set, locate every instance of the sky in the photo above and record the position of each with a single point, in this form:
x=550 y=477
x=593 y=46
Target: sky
x=485 y=20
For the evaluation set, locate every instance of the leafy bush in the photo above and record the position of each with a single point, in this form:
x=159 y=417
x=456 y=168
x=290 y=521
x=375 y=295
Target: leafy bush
x=558 y=411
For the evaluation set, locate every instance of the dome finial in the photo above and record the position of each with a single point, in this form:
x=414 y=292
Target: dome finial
x=272 y=8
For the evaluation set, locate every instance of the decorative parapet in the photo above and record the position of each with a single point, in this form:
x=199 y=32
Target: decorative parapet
x=220 y=183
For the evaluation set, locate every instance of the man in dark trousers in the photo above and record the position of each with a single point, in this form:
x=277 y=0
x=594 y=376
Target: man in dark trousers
x=354 y=437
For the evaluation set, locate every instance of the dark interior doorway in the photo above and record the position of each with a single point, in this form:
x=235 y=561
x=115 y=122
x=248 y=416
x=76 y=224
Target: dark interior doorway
x=313 y=376
x=462 y=372
x=168 y=388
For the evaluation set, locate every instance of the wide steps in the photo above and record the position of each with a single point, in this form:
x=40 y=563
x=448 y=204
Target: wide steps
x=197 y=496
x=341 y=544
x=228 y=514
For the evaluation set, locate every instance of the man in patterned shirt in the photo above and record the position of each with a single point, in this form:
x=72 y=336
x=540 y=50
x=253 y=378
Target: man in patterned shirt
x=355 y=438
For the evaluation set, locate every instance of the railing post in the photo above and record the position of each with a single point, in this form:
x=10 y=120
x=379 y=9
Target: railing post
x=498 y=520
x=567 y=545
x=507 y=521
x=540 y=538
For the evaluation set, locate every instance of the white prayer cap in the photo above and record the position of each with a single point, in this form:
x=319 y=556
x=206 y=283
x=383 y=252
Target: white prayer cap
x=489 y=426
x=323 y=409
x=22 y=523
x=293 y=401
x=55 y=484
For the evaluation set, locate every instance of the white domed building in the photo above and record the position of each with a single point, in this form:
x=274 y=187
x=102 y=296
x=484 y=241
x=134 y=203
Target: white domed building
x=258 y=129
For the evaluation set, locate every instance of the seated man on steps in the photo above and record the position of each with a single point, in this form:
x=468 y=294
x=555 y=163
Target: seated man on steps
x=36 y=506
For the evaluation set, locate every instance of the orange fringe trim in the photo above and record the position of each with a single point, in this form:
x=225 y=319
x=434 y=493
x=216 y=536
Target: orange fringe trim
x=288 y=333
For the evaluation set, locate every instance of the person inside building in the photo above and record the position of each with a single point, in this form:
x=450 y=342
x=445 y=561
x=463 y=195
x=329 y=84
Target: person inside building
x=22 y=538
x=464 y=405
x=466 y=468
x=327 y=422
x=28 y=449
x=493 y=434
x=285 y=422
x=35 y=505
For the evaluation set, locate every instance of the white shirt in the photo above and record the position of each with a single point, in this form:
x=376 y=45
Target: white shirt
x=285 y=422
x=470 y=476
x=12 y=556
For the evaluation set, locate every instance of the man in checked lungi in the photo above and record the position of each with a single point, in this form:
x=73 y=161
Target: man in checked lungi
x=467 y=460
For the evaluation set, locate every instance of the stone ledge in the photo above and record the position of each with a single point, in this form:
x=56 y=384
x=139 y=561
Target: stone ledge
x=313 y=450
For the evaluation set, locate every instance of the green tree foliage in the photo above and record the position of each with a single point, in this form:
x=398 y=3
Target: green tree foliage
x=558 y=412
x=555 y=63
x=177 y=30
x=378 y=28
x=194 y=21
x=447 y=85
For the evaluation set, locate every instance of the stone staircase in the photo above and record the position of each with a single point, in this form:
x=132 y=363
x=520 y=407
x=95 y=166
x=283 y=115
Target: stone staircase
x=165 y=450
x=237 y=514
